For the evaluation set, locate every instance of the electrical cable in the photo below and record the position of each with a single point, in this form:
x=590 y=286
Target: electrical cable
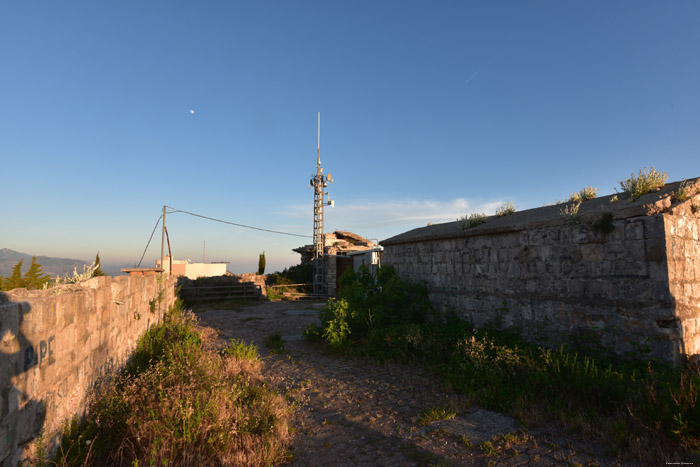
x=149 y=240
x=236 y=224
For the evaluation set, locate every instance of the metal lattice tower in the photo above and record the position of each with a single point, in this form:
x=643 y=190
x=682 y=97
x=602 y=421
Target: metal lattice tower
x=319 y=182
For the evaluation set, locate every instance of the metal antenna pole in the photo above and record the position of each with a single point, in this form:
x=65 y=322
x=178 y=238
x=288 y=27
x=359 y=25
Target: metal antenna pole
x=162 y=245
x=319 y=182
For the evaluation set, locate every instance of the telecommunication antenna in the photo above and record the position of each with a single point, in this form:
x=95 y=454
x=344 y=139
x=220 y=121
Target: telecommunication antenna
x=319 y=182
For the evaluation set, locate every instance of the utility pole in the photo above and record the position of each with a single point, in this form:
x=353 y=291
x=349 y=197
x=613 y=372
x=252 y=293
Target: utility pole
x=319 y=182
x=162 y=245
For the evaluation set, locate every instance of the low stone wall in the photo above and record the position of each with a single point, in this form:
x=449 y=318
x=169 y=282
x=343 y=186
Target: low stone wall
x=56 y=344
x=625 y=279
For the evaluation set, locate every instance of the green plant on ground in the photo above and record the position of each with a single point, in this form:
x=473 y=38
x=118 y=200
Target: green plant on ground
x=275 y=343
x=587 y=193
x=436 y=414
x=488 y=448
x=471 y=220
x=240 y=349
x=643 y=182
x=570 y=213
x=505 y=209
x=644 y=410
x=180 y=404
x=682 y=193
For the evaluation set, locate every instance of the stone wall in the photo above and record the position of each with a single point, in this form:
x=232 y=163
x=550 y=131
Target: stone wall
x=625 y=278
x=56 y=344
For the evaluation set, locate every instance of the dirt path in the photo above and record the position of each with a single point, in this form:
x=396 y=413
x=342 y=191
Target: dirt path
x=357 y=412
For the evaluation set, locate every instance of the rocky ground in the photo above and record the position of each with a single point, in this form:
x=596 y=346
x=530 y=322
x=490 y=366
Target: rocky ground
x=358 y=412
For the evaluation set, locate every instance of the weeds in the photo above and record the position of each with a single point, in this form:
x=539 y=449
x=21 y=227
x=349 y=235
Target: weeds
x=589 y=192
x=275 y=343
x=506 y=209
x=614 y=199
x=241 y=350
x=647 y=410
x=570 y=213
x=436 y=414
x=644 y=182
x=179 y=404
x=605 y=223
x=682 y=193
x=471 y=220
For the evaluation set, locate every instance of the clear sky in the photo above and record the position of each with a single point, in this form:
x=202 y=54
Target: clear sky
x=428 y=110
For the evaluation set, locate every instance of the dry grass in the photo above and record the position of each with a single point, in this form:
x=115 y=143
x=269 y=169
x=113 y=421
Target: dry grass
x=193 y=406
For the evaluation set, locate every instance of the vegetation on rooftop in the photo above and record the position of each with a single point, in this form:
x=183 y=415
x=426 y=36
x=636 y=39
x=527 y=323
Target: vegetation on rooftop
x=645 y=181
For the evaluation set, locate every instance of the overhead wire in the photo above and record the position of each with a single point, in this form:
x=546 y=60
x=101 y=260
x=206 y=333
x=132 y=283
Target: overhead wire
x=149 y=240
x=237 y=224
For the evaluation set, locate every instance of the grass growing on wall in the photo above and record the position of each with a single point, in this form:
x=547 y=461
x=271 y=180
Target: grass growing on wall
x=648 y=412
x=180 y=403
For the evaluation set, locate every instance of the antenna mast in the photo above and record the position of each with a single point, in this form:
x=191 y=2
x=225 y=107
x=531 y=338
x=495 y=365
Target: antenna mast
x=319 y=182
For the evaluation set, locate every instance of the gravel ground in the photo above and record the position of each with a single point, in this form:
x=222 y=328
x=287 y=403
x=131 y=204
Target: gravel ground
x=354 y=411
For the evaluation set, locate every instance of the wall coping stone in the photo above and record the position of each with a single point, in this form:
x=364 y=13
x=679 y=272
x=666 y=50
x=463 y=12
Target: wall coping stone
x=547 y=216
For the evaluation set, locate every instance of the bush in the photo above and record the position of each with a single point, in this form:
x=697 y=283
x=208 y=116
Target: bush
x=180 y=404
x=642 y=183
x=371 y=308
x=471 y=220
x=506 y=209
x=651 y=410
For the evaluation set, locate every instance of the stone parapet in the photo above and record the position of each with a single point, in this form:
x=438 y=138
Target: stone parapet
x=56 y=344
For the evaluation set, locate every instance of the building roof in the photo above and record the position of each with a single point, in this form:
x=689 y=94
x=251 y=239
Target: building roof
x=589 y=211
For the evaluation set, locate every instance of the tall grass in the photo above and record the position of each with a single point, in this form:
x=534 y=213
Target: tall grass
x=645 y=411
x=180 y=403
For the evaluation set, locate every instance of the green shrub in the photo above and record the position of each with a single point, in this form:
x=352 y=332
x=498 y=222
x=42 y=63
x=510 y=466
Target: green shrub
x=506 y=209
x=570 y=213
x=180 y=404
x=275 y=343
x=643 y=182
x=682 y=193
x=240 y=349
x=471 y=220
x=587 y=193
x=652 y=406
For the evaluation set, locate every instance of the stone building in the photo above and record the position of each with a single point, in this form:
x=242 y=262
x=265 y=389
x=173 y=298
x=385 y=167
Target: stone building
x=619 y=276
x=338 y=249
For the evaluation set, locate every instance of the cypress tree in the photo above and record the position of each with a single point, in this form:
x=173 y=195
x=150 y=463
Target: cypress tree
x=35 y=278
x=97 y=271
x=261 y=264
x=15 y=280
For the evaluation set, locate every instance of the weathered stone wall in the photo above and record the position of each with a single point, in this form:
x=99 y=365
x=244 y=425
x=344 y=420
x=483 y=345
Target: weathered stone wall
x=56 y=344
x=683 y=258
x=627 y=282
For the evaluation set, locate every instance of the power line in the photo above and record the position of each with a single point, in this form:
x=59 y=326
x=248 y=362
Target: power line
x=236 y=224
x=149 y=240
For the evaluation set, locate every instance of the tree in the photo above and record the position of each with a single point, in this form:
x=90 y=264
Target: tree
x=261 y=264
x=35 y=278
x=15 y=280
x=97 y=271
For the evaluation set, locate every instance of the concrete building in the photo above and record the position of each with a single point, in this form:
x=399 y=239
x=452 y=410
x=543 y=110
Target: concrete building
x=182 y=267
x=339 y=247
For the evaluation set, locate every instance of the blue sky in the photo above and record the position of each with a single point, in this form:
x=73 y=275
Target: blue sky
x=428 y=110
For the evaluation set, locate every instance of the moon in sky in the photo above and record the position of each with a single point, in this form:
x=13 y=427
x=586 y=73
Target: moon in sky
x=191 y=112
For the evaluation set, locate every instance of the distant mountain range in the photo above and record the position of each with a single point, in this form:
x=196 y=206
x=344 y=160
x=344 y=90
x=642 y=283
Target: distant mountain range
x=52 y=266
